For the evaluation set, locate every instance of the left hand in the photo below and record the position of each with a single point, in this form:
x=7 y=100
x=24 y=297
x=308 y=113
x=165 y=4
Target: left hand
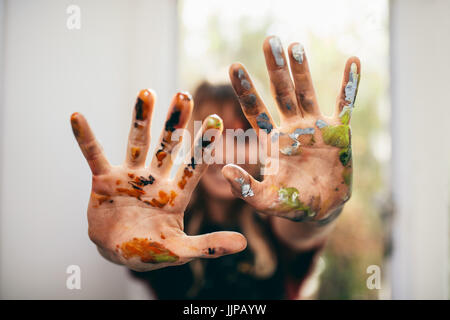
x=314 y=174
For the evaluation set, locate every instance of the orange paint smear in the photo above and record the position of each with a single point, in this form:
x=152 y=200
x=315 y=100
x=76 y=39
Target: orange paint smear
x=100 y=198
x=163 y=199
x=148 y=251
x=135 y=152
x=131 y=175
x=76 y=127
x=118 y=182
x=186 y=174
x=132 y=192
x=160 y=155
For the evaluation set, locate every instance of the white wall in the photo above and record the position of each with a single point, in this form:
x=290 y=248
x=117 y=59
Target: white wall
x=420 y=69
x=48 y=73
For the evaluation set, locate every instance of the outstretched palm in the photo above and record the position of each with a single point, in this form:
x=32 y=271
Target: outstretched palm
x=136 y=213
x=314 y=168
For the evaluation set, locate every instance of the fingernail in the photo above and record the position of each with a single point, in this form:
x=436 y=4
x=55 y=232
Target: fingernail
x=213 y=122
x=143 y=104
x=297 y=53
x=277 y=51
x=76 y=128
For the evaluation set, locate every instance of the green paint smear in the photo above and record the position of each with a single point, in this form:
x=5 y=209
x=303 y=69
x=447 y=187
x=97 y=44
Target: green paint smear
x=337 y=136
x=347 y=176
x=289 y=198
x=345 y=155
x=345 y=118
x=163 y=257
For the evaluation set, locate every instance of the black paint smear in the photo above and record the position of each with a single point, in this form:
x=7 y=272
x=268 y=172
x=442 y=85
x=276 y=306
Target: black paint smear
x=173 y=120
x=264 y=123
x=134 y=185
x=192 y=164
x=206 y=143
x=142 y=182
x=345 y=155
x=249 y=101
x=211 y=250
x=139 y=110
x=148 y=181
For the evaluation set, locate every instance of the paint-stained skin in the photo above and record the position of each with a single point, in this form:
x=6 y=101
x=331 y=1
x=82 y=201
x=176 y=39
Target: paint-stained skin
x=249 y=102
x=347 y=175
x=277 y=51
x=142 y=106
x=246 y=190
x=339 y=135
x=213 y=122
x=135 y=152
x=136 y=193
x=345 y=155
x=192 y=164
x=351 y=89
x=244 y=82
x=289 y=199
x=99 y=198
x=175 y=120
x=263 y=122
x=76 y=128
x=297 y=52
x=163 y=199
x=147 y=251
x=186 y=175
x=352 y=85
x=244 y=90
x=140 y=182
x=336 y=136
x=294 y=148
x=139 y=109
x=321 y=124
x=161 y=155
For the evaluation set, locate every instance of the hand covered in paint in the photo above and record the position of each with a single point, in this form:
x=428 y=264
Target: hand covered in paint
x=314 y=174
x=135 y=213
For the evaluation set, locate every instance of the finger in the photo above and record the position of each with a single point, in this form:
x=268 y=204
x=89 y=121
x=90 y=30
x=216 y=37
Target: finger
x=179 y=113
x=89 y=146
x=304 y=89
x=252 y=105
x=280 y=79
x=243 y=185
x=139 y=137
x=349 y=89
x=189 y=174
x=213 y=245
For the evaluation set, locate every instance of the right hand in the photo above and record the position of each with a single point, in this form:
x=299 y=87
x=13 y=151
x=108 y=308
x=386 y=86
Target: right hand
x=135 y=213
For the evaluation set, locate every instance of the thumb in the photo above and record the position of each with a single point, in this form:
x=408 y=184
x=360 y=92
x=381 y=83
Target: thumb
x=243 y=185
x=214 y=245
